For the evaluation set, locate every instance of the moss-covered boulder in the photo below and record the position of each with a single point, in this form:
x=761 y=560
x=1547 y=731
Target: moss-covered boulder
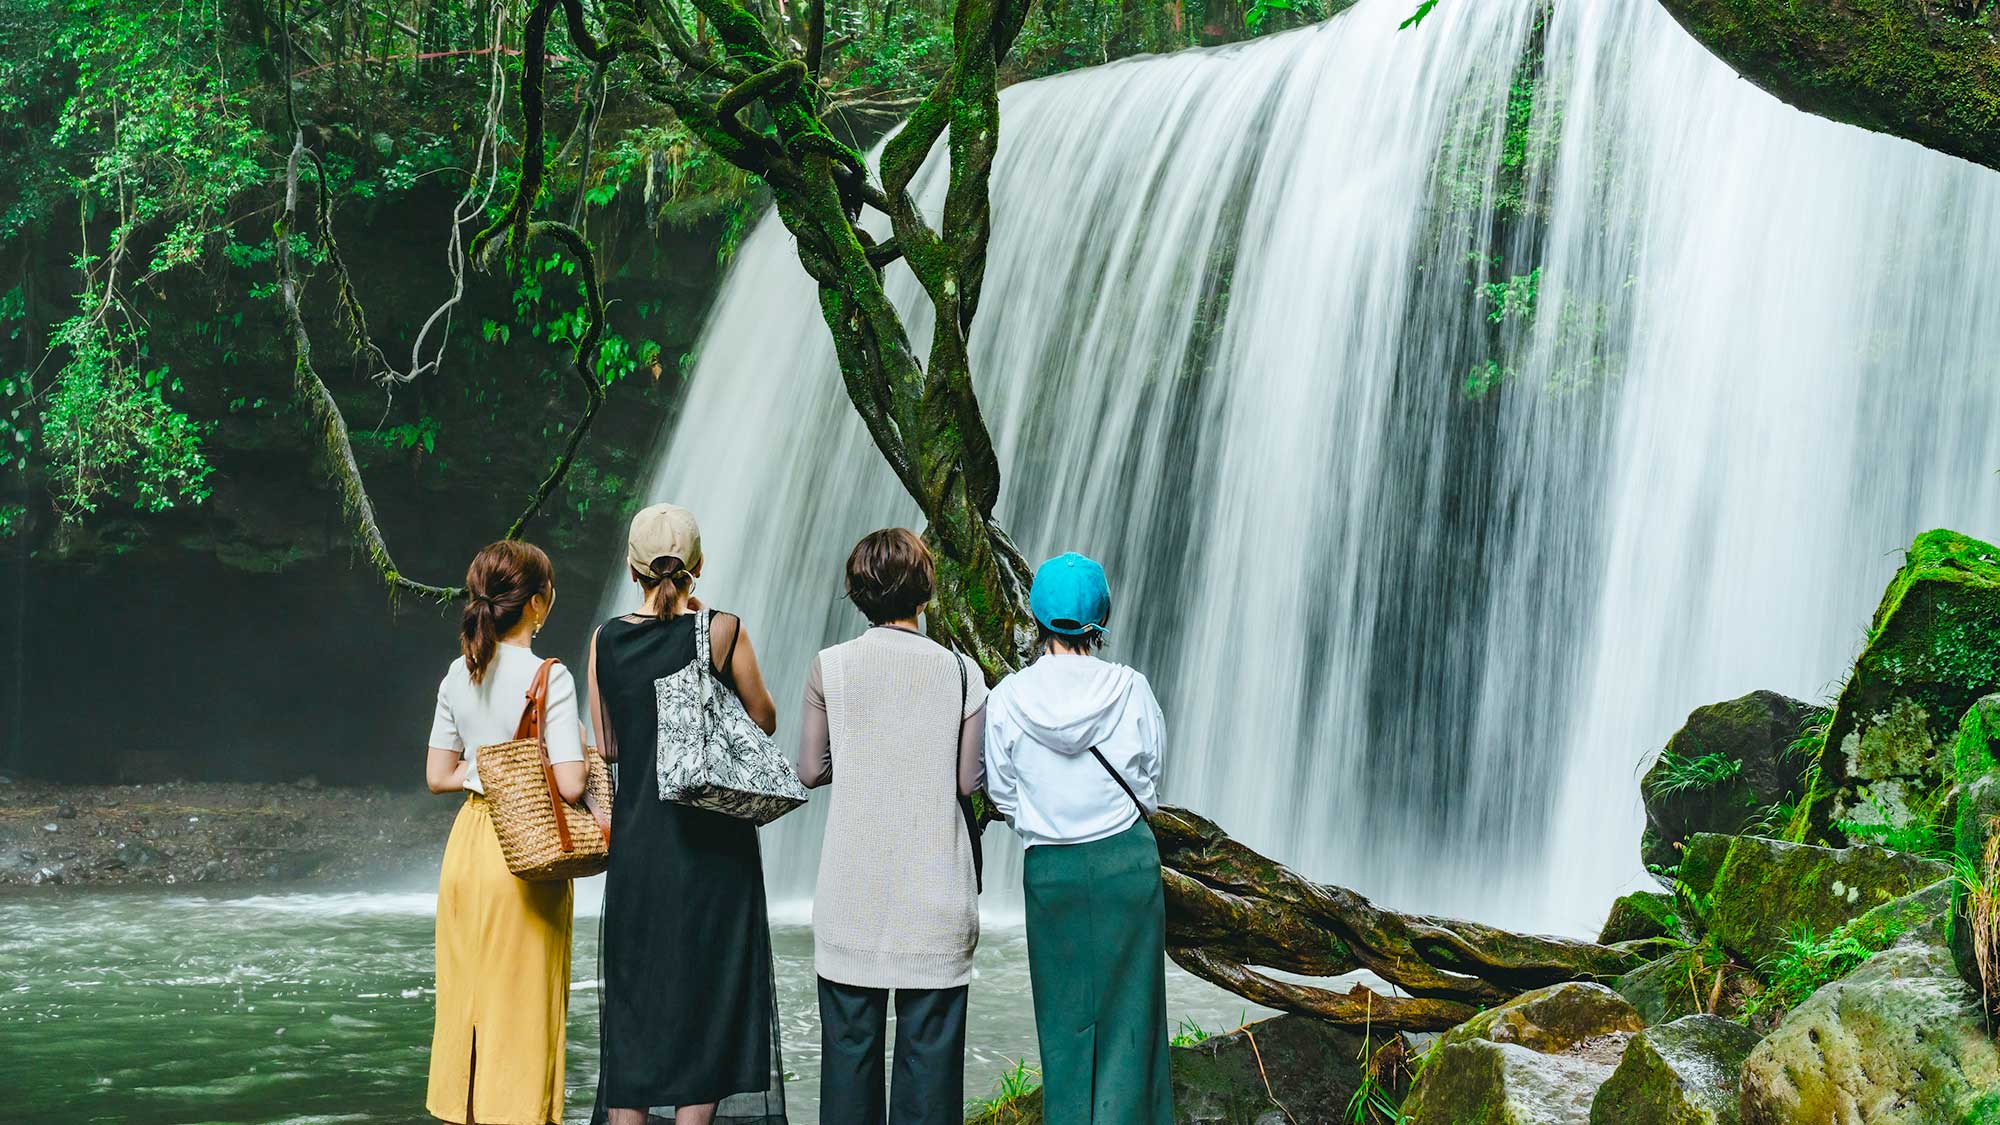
x=1975 y=747
x=1755 y=894
x=1536 y=1060
x=1639 y=916
x=1687 y=982
x=1680 y=1073
x=1552 y=1019
x=1312 y=1068
x=1728 y=767
x=1485 y=1083
x=1899 y=1041
x=1931 y=654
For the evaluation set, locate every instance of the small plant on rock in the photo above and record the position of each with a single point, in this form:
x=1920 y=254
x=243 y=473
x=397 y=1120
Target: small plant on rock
x=1383 y=1070
x=1683 y=775
x=1810 y=963
x=1978 y=886
x=1014 y=1085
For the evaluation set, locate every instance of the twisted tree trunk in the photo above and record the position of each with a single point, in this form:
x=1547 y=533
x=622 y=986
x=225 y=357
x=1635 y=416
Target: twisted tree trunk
x=1229 y=909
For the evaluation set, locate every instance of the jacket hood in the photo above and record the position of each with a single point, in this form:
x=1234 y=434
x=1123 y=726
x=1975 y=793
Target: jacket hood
x=1069 y=703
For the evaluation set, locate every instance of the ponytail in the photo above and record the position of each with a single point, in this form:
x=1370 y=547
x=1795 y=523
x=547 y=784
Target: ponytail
x=667 y=570
x=503 y=578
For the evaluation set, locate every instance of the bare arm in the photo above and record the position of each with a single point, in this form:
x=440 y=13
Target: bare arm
x=748 y=678
x=972 y=753
x=815 y=743
x=444 y=771
x=570 y=779
x=600 y=722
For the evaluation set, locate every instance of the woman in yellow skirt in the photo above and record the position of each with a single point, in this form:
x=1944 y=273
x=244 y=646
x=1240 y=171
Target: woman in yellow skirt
x=502 y=942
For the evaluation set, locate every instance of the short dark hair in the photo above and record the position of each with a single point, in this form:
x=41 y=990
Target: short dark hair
x=1088 y=641
x=890 y=575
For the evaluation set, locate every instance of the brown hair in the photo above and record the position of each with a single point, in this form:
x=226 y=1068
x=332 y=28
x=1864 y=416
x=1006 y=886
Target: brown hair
x=890 y=575
x=503 y=578
x=666 y=568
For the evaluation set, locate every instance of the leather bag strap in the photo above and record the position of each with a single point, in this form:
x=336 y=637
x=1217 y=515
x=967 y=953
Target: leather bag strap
x=535 y=725
x=1120 y=779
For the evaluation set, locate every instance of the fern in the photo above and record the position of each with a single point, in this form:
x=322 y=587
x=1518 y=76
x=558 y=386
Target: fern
x=1682 y=775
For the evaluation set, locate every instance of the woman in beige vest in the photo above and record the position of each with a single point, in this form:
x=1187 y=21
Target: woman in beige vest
x=893 y=723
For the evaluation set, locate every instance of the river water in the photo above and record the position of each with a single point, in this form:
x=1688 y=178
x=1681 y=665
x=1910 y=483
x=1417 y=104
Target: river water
x=166 y=1008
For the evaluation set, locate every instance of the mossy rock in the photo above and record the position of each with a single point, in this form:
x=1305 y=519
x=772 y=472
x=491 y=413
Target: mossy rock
x=1553 y=1019
x=1536 y=1060
x=1479 y=1082
x=1684 y=982
x=1899 y=1041
x=1922 y=915
x=1978 y=817
x=1640 y=916
x=1930 y=656
x=1313 y=1068
x=1751 y=740
x=1680 y=1073
x=1976 y=746
x=1759 y=893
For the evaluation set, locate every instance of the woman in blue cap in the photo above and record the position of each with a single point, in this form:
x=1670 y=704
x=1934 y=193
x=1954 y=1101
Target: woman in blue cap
x=1073 y=762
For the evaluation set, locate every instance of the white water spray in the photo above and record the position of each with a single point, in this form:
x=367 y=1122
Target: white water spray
x=1419 y=588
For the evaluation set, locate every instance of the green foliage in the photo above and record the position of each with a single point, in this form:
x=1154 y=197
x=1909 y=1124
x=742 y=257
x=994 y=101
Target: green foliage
x=1269 y=15
x=1374 y=1101
x=1188 y=1033
x=1015 y=1083
x=1678 y=774
x=1512 y=298
x=1417 y=17
x=106 y=427
x=1904 y=827
x=1809 y=963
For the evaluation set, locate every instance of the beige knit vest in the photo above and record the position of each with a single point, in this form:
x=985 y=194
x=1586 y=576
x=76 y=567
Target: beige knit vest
x=896 y=906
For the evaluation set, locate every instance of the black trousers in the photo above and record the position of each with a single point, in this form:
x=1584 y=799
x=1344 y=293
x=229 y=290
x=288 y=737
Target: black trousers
x=930 y=1055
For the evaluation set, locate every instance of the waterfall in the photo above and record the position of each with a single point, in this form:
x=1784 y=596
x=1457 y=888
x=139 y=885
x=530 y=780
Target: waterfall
x=1453 y=408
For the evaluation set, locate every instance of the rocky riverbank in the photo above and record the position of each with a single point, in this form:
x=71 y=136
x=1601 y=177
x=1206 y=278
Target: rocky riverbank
x=177 y=833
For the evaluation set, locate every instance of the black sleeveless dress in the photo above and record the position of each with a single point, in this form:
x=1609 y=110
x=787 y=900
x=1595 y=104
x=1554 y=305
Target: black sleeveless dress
x=689 y=1006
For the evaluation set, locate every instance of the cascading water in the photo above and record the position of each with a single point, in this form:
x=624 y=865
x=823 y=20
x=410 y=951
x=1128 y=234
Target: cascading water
x=1454 y=409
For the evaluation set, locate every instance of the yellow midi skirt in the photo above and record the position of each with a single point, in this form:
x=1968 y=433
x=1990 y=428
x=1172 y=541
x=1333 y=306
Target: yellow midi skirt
x=502 y=984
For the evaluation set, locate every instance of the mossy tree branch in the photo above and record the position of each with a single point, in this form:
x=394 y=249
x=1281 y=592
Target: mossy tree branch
x=330 y=424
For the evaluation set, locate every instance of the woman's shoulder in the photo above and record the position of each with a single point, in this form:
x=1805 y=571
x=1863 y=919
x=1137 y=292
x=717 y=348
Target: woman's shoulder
x=455 y=674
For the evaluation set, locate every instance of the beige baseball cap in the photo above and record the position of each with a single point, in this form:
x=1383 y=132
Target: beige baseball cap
x=663 y=530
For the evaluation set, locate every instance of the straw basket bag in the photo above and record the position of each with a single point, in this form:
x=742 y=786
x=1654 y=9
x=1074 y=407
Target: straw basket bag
x=542 y=837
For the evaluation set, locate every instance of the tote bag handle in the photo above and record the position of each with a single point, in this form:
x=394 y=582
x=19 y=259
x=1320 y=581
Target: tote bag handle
x=535 y=724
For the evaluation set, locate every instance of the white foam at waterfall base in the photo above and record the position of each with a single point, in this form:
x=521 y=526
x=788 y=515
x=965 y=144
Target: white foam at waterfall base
x=1416 y=619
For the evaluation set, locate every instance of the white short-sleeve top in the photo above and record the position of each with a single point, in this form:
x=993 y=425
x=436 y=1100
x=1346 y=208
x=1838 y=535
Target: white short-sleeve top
x=472 y=715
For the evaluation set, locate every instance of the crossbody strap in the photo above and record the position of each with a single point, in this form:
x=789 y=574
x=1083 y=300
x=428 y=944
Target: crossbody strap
x=535 y=724
x=1120 y=779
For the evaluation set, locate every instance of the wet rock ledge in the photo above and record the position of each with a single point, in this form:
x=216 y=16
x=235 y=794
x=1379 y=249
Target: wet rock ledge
x=177 y=833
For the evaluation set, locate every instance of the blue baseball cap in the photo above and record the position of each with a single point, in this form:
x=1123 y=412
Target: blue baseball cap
x=1070 y=595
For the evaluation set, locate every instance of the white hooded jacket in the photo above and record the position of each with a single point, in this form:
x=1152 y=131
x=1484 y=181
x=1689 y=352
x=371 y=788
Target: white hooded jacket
x=1041 y=724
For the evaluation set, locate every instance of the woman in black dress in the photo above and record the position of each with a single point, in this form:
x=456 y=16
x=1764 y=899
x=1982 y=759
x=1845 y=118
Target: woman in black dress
x=689 y=1008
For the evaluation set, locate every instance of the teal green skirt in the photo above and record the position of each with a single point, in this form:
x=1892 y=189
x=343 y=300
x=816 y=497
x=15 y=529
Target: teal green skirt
x=1097 y=933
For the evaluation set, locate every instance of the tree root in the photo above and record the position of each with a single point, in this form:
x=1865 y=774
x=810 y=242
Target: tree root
x=1229 y=908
